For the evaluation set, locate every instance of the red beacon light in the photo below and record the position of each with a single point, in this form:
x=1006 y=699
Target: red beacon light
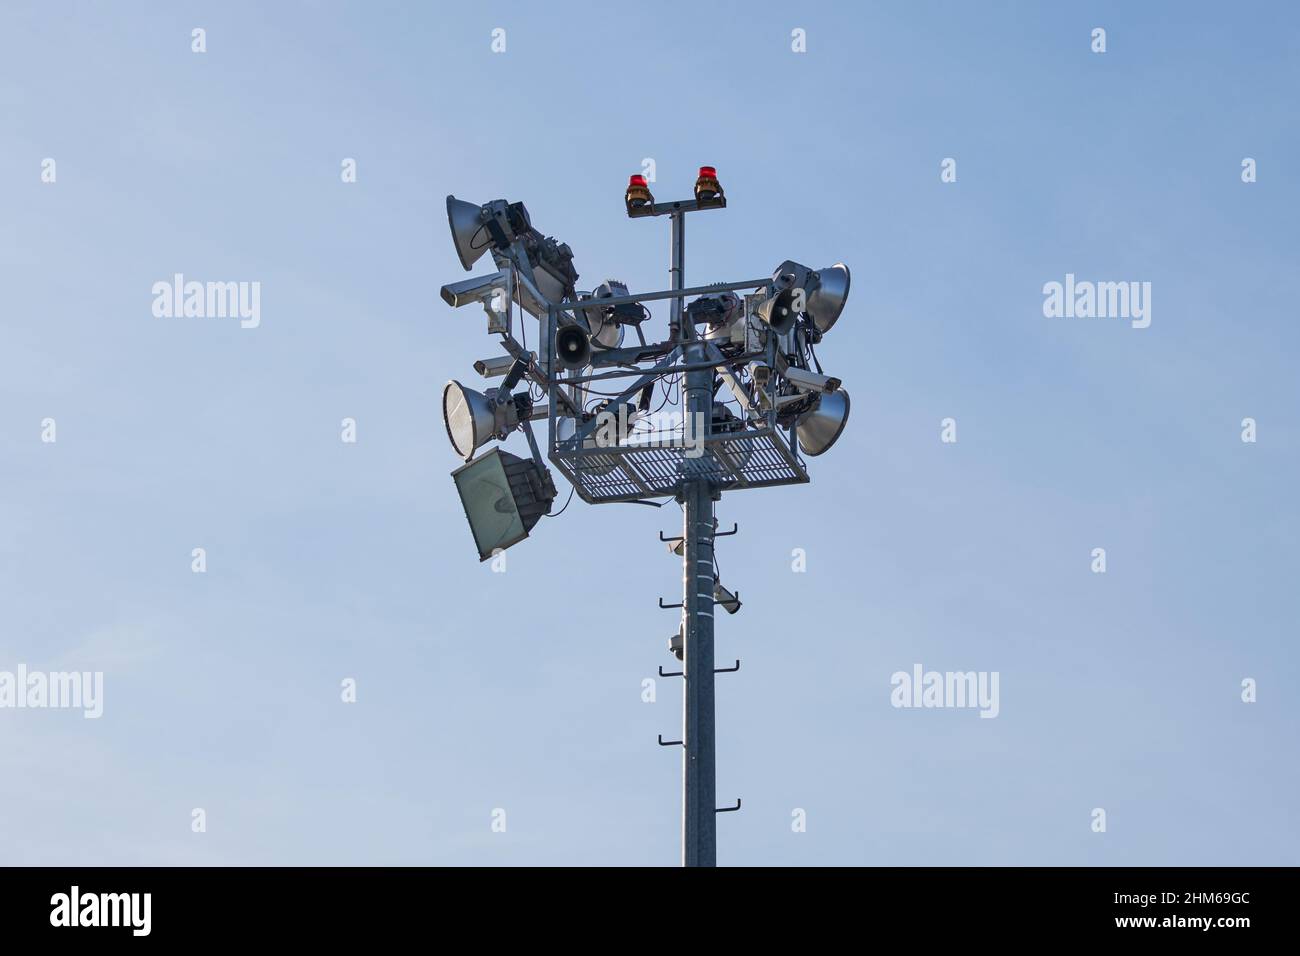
x=638 y=193
x=707 y=187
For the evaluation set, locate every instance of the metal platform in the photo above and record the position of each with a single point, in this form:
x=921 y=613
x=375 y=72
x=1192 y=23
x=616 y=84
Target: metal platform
x=752 y=458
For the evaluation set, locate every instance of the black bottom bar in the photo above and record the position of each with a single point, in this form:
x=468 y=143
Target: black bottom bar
x=375 y=905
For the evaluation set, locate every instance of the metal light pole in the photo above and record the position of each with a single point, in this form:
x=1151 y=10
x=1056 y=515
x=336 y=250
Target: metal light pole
x=699 y=782
x=759 y=348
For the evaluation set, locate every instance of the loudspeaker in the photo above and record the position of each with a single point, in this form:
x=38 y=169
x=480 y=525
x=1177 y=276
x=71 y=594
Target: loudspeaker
x=572 y=347
x=777 y=310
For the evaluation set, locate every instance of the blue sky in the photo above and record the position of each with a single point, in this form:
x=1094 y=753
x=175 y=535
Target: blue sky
x=522 y=690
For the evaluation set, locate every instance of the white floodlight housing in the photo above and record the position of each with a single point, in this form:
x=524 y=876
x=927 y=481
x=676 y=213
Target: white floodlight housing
x=504 y=496
x=820 y=427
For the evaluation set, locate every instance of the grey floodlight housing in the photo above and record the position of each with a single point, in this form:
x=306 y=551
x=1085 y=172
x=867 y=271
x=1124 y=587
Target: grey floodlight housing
x=476 y=229
x=607 y=322
x=795 y=288
x=820 y=427
x=826 y=293
x=504 y=497
x=473 y=418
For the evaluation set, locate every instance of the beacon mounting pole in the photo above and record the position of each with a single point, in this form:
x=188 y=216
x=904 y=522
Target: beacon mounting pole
x=699 y=782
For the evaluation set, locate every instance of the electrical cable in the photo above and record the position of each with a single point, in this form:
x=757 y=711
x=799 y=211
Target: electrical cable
x=566 y=504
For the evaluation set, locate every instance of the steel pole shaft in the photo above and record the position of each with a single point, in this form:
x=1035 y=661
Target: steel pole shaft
x=699 y=797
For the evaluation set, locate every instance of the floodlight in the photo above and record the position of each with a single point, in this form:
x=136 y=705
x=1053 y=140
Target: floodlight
x=475 y=229
x=826 y=294
x=606 y=322
x=504 y=496
x=796 y=288
x=473 y=419
x=719 y=311
x=820 y=427
x=552 y=263
x=530 y=298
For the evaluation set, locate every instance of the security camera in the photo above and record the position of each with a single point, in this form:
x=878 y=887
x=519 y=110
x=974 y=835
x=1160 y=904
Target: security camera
x=493 y=291
x=496 y=366
x=809 y=381
x=677 y=644
x=477 y=289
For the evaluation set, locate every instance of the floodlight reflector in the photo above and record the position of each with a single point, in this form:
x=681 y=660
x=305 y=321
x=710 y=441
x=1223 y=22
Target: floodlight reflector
x=826 y=298
x=820 y=427
x=504 y=496
x=470 y=418
x=468 y=231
